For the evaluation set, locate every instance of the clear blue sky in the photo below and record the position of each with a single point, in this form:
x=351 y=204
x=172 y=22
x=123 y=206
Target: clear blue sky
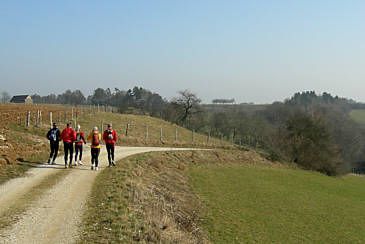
x=253 y=51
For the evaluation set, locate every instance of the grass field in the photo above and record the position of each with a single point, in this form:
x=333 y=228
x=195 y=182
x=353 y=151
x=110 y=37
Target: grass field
x=262 y=204
x=358 y=115
x=226 y=197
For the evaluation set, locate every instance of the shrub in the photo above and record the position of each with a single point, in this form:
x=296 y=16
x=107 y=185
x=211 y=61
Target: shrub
x=308 y=142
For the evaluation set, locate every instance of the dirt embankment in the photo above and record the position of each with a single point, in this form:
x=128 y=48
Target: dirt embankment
x=18 y=146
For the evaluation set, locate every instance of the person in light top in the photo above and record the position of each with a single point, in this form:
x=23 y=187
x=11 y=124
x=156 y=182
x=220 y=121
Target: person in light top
x=95 y=139
x=110 y=137
x=80 y=138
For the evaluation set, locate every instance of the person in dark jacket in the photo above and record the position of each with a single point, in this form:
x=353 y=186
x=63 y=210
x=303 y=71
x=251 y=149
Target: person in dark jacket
x=110 y=137
x=53 y=136
x=68 y=136
x=80 y=138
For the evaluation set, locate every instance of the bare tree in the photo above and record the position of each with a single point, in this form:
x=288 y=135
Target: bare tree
x=5 y=97
x=189 y=103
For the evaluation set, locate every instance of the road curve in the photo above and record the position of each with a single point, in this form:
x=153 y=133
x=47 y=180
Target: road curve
x=56 y=215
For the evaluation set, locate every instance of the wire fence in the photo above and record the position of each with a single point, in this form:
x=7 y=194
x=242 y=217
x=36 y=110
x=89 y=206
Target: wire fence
x=39 y=115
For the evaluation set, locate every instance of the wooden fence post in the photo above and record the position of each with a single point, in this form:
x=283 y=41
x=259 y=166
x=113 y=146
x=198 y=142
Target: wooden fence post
x=40 y=117
x=160 y=134
x=28 y=118
x=72 y=114
x=126 y=129
x=102 y=126
x=37 y=119
x=175 y=134
x=50 y=119
x=234 y=135
x=208 y=138
x=192 y=136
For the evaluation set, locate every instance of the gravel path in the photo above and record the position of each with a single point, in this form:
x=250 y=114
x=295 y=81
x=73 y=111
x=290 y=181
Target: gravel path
x=55 y=217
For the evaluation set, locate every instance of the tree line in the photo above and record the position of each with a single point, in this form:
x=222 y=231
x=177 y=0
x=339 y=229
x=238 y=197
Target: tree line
x=136 y=100
x=314 y=131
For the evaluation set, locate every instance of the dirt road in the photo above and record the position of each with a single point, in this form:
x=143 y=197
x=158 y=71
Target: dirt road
x=55 y=217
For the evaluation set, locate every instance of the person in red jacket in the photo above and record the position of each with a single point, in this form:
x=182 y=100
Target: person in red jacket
x=80 y=138
x=110 y=137
x=68 y=136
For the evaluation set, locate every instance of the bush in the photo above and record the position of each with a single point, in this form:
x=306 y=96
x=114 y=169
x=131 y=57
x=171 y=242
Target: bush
x=308 y=142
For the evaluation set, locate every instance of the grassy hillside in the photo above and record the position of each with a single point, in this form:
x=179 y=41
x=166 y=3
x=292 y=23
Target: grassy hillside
x=137 y=131
x=265 y=204
x=21 y=147
x=358 y=115
x=222 y=197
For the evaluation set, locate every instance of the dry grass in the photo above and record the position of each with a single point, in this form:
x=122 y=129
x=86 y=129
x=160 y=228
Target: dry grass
x=22 y=149
x=137 y=131
x=15 y=113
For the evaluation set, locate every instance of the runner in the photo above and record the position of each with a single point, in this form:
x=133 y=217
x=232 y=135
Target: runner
x=80 y=137
x=95 y=139
x=68 y=136
x=53 y=136
x=110 y=137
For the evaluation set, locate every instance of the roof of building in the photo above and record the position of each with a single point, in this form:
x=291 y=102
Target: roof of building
x=19 y=98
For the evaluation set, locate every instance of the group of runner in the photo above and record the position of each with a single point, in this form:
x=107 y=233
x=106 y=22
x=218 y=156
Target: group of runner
x=75 y=139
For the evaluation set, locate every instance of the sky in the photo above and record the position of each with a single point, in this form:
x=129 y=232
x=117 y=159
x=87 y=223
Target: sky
x=252 y=51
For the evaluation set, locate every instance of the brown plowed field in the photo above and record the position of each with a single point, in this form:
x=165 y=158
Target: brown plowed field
x=17 y=113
